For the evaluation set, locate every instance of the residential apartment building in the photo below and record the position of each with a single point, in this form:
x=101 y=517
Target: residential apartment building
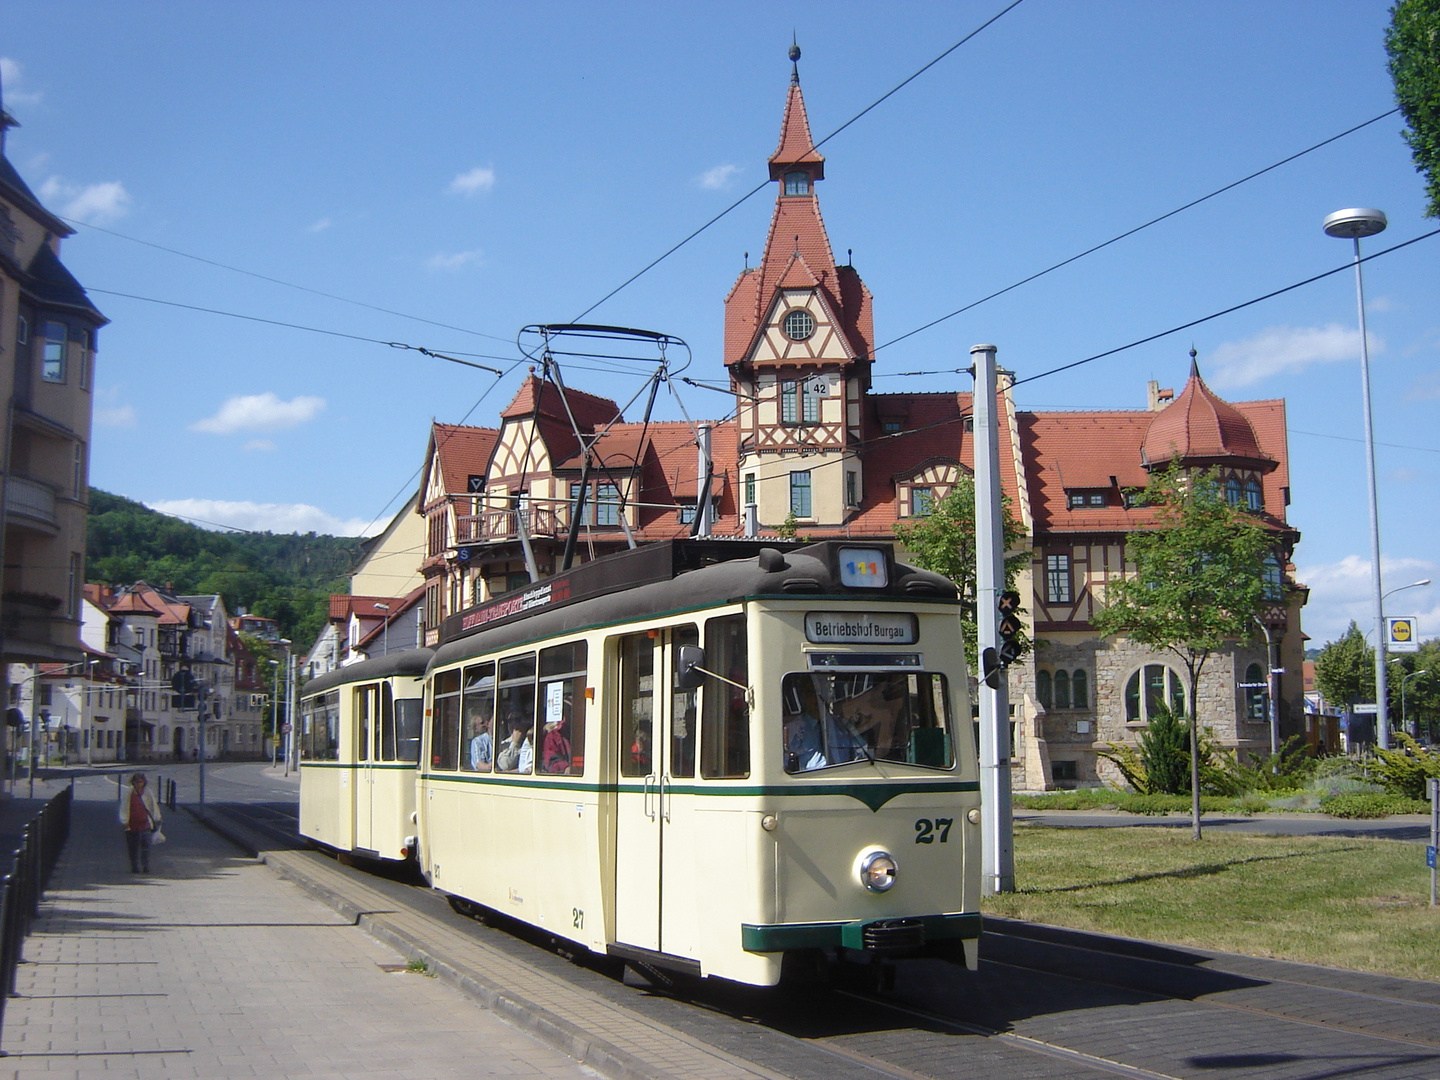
x=48 y=330
x=154 y=635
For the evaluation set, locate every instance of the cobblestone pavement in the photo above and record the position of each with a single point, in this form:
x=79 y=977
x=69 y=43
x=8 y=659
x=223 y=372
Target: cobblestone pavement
x=211 y=966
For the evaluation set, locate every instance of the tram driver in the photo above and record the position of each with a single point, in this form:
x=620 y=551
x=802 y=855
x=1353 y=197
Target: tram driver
x=809 y=743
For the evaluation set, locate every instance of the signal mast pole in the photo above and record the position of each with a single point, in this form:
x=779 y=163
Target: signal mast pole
x=997 y=849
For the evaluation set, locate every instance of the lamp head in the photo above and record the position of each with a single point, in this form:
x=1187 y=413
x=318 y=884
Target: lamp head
x=1355 y=223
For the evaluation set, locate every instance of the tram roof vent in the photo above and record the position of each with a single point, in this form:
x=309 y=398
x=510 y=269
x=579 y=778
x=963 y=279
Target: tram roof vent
x=772 y=561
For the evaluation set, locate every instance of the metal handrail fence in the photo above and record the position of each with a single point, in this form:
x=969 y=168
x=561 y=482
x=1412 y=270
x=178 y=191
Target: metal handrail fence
x=22 y=886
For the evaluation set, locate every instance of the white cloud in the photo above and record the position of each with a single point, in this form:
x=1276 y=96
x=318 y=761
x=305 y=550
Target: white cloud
x=263 y=445
x=260 y=412
x=320 y=226
x=1342 y=591
x=473 y=182
x=453 y=262
x=14 y=80
x=114 y=416
x=94 y=203
x=261 y=517
x=718 y=177
x=1425 y=388
x=1286 y=350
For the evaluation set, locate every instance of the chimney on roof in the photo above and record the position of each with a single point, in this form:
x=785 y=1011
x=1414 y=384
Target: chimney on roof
x=1159 y=398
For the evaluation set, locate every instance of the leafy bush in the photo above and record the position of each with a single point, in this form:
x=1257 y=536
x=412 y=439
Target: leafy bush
x=1404 y=772
x=1370 y=804
x=1164 y=749
x=1288 y=771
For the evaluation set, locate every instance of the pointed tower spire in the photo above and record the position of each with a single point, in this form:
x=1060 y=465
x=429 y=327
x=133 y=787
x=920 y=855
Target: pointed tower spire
x=797 y=249
x=1194 y=364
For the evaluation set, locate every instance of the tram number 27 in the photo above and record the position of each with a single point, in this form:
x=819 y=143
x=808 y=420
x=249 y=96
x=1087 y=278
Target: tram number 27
x=577 y=918
x=926 y=830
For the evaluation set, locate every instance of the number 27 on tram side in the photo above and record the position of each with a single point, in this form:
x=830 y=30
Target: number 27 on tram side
x=714 y=770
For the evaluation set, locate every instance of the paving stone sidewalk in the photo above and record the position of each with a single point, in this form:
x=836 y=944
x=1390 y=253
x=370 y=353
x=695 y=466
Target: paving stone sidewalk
x=212 y=966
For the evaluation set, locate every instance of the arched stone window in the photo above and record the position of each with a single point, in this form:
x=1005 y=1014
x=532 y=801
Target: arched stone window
x=1079 y=692
x=1062 y=690
x=1042 y=689
x=1151 y=687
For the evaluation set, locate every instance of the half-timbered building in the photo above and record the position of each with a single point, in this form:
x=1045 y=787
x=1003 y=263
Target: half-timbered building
x=811 y=448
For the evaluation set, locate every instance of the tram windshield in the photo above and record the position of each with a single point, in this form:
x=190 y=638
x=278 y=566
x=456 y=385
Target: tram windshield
x=835 y=719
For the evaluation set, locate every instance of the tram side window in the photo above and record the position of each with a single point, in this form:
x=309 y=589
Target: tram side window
x=409 y=718
x=684 y=730
x=834 y=719
x=445 y=721
x=515 y=752
x=319 y=727
x=637 y=703
x=562 y=701
x=477 y=730
x=385 y=725
x=724 y=715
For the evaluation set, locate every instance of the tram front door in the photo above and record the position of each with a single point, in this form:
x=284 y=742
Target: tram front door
x=655 y=903
x=366 y=713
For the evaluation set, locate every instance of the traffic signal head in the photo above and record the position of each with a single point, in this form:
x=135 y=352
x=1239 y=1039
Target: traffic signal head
x=1011 y=647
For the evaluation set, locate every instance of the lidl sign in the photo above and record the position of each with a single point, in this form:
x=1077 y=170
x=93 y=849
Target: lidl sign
x=1401 y=634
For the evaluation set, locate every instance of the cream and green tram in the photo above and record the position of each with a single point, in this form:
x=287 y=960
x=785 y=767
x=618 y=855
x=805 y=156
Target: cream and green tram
x=708 y=763
x=359 y=742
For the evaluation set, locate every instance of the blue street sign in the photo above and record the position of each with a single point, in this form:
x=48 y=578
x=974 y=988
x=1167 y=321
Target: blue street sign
x=1430 y=856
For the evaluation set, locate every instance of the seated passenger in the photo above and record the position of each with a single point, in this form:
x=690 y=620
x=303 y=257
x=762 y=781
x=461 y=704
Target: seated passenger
x=640 y=751
x=516 y=753
x=555 y=750
x=482 y=748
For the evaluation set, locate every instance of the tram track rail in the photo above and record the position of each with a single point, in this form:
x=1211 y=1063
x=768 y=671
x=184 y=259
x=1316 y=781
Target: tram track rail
x=1033 y=1010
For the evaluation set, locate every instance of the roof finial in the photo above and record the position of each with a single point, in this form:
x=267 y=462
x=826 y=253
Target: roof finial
x=794 y=60
x=1194 y=367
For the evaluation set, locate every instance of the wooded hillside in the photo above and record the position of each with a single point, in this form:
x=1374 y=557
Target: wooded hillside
x=287 y=577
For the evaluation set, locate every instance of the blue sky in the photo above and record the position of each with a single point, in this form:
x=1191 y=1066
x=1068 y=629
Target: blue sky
x=488 y=166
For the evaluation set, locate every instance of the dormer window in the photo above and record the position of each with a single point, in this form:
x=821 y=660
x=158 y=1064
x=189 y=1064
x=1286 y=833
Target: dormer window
x=797 y=182
x=798 y=324
x=1081 y=500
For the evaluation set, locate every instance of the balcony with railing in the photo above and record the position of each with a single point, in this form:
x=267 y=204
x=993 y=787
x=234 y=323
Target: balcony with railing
x=498 y=526
x=30 y=499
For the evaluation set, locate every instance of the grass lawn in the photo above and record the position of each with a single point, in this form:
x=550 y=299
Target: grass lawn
x=1350 y=903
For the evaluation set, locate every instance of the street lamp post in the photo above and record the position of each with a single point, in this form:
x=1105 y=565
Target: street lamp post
x=385 y=630
x=1352 y=224
x=275 y=714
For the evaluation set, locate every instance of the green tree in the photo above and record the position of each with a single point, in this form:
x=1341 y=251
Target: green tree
x=944 y=542
x=1418 y=704
x=1197 y=583
x=1413 y=44
x=1345 y=669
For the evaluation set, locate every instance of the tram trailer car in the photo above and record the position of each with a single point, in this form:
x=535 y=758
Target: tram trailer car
x=721 y=766
x=359 y=737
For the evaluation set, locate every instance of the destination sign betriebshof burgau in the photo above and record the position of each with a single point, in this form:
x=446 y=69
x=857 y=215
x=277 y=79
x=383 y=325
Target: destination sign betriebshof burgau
x=854 y=628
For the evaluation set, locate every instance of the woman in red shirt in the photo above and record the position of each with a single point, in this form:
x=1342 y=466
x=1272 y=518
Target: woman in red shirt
x=140 y=817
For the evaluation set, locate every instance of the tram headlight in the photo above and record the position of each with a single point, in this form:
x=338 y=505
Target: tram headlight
x=878 y=870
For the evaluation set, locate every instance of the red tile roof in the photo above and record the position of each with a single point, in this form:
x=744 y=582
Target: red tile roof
x=1199 y=426
x=1085 y=450
x=589 y=410
x=797 y=146
x=463 y=452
